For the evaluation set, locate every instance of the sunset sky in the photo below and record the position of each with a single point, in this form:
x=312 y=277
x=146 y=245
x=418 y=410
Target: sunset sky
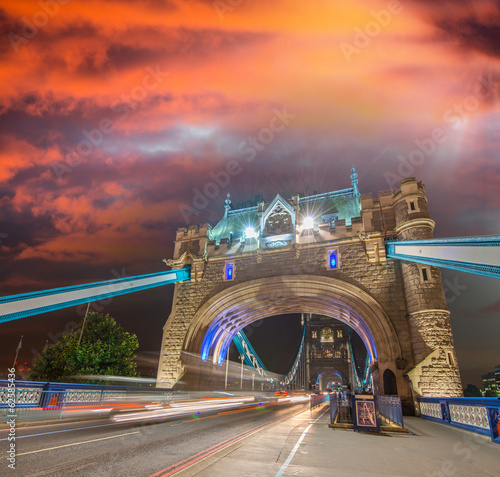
x=116 y=115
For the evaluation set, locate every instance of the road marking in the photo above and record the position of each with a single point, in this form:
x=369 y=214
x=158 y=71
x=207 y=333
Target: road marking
x=63 y=430
x=183 y=464
x=79 y=443
x=294 y=450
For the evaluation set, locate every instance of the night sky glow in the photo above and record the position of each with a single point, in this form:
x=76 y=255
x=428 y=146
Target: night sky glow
x=123 y=120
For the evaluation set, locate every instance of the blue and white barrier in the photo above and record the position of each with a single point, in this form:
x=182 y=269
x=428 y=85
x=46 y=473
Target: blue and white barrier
x=481 y=415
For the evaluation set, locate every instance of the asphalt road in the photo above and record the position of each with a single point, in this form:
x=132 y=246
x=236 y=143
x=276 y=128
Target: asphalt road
x=138 y=448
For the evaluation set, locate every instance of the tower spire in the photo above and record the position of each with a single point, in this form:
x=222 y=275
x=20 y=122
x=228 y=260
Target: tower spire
x=228 y=204
x=354 y=181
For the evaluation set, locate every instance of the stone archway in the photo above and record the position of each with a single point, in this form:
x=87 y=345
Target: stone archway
x=217 y=321
x=325 y=377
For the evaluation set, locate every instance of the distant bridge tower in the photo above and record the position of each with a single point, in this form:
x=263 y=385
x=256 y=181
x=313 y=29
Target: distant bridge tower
x=324 y=255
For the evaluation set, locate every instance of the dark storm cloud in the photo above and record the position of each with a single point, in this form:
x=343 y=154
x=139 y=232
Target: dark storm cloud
x=472 y=25
x=474 y=34
x=8 y=26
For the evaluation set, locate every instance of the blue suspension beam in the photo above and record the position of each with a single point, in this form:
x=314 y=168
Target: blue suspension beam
x=479 y=255
x=15 y=307
x=290 y=375
x=246 y=349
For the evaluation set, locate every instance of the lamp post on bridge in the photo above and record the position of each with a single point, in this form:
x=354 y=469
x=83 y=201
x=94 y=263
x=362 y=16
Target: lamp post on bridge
x=227 y=365
x=242 y=357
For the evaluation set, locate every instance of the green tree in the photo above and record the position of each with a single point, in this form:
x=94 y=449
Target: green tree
x=105 y=349
x=472 y=391
x=490 y=393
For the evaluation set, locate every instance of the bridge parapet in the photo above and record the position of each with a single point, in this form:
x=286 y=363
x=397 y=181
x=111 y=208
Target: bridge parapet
x=480 y=415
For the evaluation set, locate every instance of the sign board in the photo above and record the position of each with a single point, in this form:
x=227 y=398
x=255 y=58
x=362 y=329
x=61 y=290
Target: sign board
x=365 y=416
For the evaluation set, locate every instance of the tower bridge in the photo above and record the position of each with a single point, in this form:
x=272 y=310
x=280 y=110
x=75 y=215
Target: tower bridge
x=325 y=255
x=369 y=262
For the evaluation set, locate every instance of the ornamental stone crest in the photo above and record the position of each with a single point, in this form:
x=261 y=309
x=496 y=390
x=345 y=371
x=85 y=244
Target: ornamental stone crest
x=279 y=222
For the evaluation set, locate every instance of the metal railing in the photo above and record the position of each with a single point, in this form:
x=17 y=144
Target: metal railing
x=480 y=415
x=389 y=410
x=340 y=410
x=26 y=400
x=316 y=400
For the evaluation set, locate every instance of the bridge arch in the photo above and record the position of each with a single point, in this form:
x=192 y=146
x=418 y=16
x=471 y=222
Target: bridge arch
x=331 y=375
x=218 y=320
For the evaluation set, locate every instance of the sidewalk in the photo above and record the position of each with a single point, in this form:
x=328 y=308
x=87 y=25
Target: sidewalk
x=286 y=449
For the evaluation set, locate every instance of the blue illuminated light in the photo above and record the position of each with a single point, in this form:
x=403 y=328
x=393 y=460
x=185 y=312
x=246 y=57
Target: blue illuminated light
x=229 y=271
x=332 y=261
x=207 y=342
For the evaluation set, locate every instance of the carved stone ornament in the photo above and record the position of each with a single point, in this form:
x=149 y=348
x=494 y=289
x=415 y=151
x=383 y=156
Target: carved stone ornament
x=187 y=258
x=279 y=222
x=259 y=256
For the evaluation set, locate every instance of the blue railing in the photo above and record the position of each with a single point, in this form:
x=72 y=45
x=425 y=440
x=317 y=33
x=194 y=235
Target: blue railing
x=481 y=415
x=390 y=410
x=48 y=400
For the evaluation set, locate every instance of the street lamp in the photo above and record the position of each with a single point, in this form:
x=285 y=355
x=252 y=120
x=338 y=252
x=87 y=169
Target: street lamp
x=242 y=357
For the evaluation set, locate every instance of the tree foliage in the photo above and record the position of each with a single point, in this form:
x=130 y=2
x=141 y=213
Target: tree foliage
x=490 y=393
x=472 y=391
x=105 y=349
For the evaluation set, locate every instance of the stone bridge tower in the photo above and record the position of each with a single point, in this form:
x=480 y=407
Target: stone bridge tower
x=322 y=254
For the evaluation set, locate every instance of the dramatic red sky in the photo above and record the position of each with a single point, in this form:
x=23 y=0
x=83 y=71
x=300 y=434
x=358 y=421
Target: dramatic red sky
x=112 y=113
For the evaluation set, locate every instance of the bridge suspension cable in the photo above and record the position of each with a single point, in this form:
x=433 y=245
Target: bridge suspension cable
x=290 y=375
x=246 y=349
x=14 y=307
x=363 y=379
x=479 y=255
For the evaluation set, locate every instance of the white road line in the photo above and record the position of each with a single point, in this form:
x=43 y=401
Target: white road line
x=79 y=443
x=294 y=450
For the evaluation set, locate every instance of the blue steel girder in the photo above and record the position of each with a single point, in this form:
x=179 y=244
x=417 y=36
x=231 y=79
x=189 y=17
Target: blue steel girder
x=14 y=307
x=479 y=255
x=290 y=375
x=246 y=349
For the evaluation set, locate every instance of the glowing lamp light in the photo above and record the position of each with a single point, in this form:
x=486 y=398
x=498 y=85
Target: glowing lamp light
x=308 y=222
x=250 y=232
x=332 y=259
x=229 y=271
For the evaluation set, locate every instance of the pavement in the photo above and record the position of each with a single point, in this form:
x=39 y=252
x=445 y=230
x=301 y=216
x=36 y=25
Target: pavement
x=306 y=446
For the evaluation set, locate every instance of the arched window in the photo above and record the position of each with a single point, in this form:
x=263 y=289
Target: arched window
x=390 y=385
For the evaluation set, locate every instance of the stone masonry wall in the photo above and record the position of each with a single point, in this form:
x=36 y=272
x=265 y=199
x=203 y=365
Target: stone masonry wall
x=383 y=281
